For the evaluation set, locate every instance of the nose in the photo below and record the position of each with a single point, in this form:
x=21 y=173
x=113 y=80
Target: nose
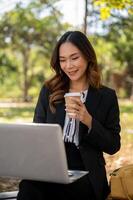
x=68 y=64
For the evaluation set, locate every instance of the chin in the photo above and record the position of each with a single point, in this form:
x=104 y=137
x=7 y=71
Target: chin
x=73 y=78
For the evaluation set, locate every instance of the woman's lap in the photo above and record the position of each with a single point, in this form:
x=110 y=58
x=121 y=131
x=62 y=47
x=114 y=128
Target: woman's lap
x=32 y=190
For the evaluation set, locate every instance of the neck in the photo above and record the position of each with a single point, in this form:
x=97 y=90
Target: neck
x=78 y=87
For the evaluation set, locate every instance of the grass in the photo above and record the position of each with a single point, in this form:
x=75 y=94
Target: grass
x=17 y=113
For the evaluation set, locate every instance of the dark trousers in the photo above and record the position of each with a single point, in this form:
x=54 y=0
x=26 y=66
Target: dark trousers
x=35 y=190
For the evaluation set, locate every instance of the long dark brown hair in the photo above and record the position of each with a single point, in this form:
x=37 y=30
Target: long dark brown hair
x=59 y=84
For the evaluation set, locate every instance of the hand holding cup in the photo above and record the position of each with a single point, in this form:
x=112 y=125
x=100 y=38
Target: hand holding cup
x=76 y=109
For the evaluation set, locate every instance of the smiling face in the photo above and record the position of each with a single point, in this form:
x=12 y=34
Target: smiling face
x=72 y=62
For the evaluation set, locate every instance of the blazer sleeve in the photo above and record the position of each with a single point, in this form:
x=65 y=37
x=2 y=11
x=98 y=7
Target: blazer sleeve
x=106 y=137
x=40 y=113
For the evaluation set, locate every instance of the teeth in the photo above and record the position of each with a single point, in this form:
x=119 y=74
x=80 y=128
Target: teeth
x=73 y=72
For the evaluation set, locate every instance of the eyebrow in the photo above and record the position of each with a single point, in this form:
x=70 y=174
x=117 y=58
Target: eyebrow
x=73 y=54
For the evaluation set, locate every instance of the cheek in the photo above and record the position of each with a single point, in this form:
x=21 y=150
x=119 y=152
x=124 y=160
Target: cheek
x=83 y=63
x=83 y=66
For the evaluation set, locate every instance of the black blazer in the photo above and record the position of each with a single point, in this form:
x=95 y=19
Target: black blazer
x=104 y=136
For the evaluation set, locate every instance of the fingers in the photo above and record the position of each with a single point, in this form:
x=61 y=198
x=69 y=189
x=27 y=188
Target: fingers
x=75 y=107
x=73 y=113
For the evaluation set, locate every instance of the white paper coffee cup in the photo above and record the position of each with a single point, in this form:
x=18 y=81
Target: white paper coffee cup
x=69 y=100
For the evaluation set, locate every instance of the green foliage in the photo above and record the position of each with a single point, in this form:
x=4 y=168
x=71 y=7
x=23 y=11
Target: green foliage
x=6 y=66
x=120 y=34
x=29 y=36
x=108 y=64
x=126 y=108
x=5 y=61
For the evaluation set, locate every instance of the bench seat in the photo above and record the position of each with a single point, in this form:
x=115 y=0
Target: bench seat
x=8 y=195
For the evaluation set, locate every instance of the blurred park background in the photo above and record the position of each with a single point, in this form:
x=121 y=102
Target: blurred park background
x=29 y=30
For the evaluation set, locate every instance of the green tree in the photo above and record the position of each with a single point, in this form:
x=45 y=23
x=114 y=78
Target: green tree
x=120 y=34
x=30 y=35
x=6 y=66
x=116 y=22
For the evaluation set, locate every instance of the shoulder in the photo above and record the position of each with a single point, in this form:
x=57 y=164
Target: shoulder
x=107 y=91
x=44 y=90
x=108 y=94
x=44 y=94
x=103 y=90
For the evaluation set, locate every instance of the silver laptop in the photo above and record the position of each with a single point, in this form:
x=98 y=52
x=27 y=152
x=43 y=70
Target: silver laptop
x=34 y=151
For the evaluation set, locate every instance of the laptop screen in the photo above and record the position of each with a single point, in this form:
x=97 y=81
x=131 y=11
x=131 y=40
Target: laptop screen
x=33 y=151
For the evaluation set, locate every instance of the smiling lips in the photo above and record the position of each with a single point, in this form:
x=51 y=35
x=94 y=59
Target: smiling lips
x=72 y=72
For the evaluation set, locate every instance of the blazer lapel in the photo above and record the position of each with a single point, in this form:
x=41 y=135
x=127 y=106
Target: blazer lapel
x=92 y=101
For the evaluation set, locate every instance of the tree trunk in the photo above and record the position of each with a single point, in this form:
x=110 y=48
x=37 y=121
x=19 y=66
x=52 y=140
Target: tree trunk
x=129 y=80
x=85 y=17
x=25 y=76
x=131 y=97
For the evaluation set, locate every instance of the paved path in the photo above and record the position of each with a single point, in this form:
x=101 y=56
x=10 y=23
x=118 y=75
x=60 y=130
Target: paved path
x=15 y=104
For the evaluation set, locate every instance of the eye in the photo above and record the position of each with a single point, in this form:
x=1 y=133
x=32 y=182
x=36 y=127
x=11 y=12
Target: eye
x=61 y=61
x=75 y=58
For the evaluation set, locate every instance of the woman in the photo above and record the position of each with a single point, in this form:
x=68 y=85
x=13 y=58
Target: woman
x=94 y=126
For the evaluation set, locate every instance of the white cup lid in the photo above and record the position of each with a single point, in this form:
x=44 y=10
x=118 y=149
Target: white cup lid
x=72 y=94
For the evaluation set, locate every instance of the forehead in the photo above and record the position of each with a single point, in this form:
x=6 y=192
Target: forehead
x=67 y=49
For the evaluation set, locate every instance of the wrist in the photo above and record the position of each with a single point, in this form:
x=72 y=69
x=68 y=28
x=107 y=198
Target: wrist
x=89 y=122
